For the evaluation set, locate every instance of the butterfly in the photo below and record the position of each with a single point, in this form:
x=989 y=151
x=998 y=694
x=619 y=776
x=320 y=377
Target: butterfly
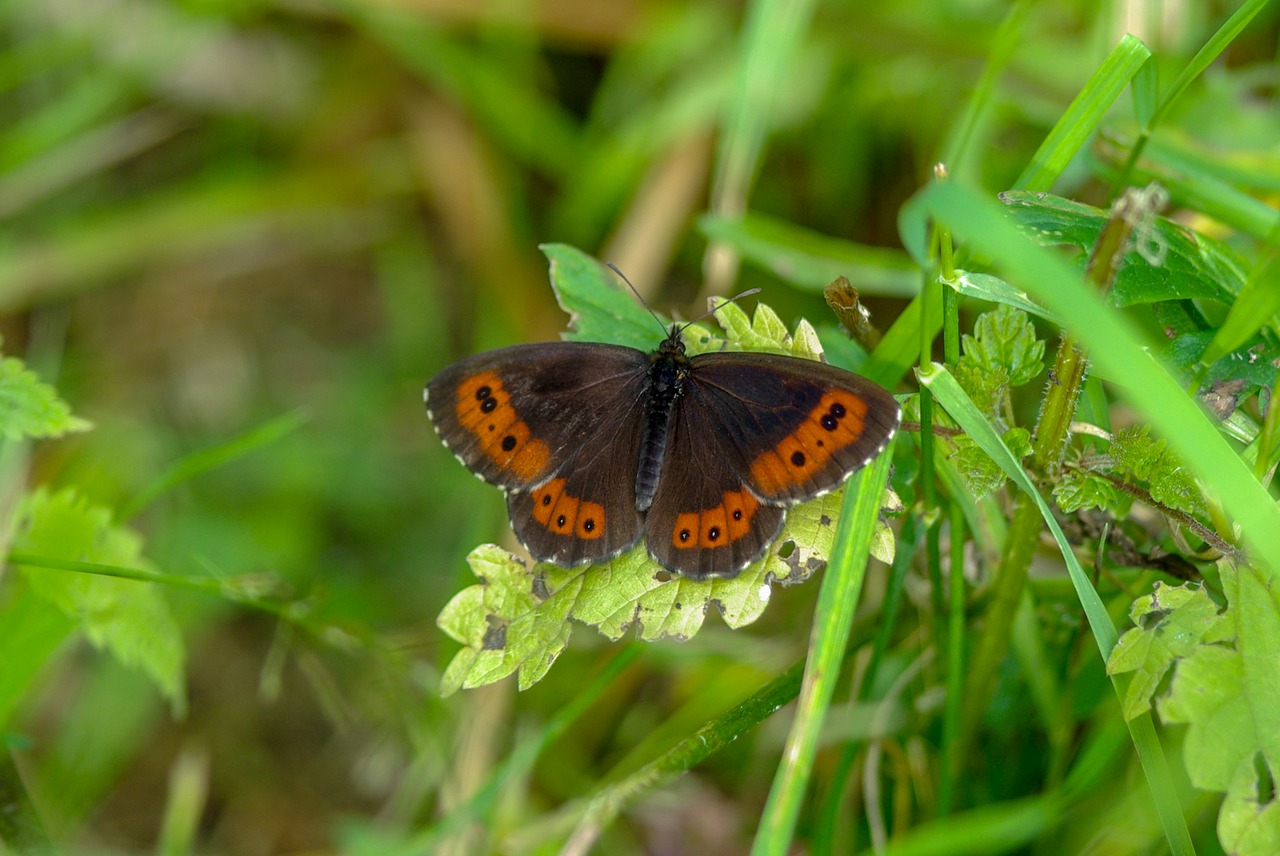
x=598 y=446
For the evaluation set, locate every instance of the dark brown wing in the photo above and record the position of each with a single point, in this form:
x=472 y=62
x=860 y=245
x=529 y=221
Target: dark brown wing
x=752 y=433
x=558 y=426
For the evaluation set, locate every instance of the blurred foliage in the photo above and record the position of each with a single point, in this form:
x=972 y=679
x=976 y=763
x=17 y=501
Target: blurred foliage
x=239 y=235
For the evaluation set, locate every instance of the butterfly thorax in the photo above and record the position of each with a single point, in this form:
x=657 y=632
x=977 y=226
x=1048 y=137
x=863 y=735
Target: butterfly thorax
x=668 y=369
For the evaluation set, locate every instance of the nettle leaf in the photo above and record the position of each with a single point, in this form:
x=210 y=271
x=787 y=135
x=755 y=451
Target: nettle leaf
x=1005 y=338
x=986 y=388
x=481 y=617
x=31 y=408
x=982 y=475
x=1192 y=266
x=128 y=618
x=1137 y=454
x=1079 y=489
x=517 y=620
x=1228 y=695
x=1172 y=622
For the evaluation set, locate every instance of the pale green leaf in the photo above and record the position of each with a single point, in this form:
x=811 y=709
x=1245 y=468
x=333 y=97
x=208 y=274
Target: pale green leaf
x=128 y=618
x=1230 y=696
x=1248 y=823
x=31 y=408
x=1172 y=622
x=1005 y=338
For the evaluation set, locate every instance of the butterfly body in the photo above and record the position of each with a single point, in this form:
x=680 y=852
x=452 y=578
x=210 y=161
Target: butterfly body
x=598 y=446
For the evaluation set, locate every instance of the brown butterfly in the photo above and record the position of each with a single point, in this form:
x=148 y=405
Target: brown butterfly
x=598 y=446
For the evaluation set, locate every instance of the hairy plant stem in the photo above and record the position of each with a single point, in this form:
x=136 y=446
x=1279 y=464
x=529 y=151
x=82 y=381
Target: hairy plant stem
x=1048 y=447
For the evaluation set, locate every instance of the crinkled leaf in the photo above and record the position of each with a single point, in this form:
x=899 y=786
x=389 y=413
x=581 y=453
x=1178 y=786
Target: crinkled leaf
x=501 y=624
x=1004 y=338
x=1171 y=622
x=1228 y=694
x=31 y=408
x=1137 y=454
x=986 y=388
x=1082 y=489
x=517 y=620
x=128 y=618
x=981 y=474
x=1193 y=265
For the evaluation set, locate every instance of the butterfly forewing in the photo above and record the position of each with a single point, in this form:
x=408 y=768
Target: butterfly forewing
x=792 y=429
x=556 y=426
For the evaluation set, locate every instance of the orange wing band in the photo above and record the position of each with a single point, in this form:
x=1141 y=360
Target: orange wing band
x=483 y=406
x=835 y=423
x=717 y=526
x=562 y=514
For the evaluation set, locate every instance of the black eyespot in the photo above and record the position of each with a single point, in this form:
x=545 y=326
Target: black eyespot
x=684 y=534
x=546 y=499
x=483 y=392
x=588 y=525
x=560 y=521
x=508 y=443
x=797 y=459
x=713 y=534
x=737 y=514
x=489 y=405
x=830 y=422
x=837 y=410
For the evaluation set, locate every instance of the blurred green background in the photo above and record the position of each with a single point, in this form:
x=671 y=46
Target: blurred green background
x=221 y=214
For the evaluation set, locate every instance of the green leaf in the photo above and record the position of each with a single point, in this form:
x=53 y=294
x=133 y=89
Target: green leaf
x=1256 y=306
x=1136 y=453
x=1230 y=695
x=1248 y=822
x=599 y=309
x=128 y=618
x=500 y=624
x=1193 y=266
x=1079 y=489
x=993 y=289
x=517 y=620
x=982 y=475
x=30 y=408
x=1005 y=338
x=1172 y=622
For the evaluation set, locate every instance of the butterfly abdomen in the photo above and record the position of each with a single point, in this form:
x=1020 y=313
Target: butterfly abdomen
x=668 y=369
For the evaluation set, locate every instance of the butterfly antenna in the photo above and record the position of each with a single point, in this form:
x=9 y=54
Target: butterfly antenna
x=637 y=293
x=713 y=310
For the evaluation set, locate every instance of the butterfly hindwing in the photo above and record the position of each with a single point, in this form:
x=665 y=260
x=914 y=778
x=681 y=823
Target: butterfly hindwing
x=703 y=521
x=586 y=513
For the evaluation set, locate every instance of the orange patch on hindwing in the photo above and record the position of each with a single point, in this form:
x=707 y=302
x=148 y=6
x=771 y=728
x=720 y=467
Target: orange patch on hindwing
x=717 y=526
x=483 y=407
x=836 y=422
x=562 y=514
